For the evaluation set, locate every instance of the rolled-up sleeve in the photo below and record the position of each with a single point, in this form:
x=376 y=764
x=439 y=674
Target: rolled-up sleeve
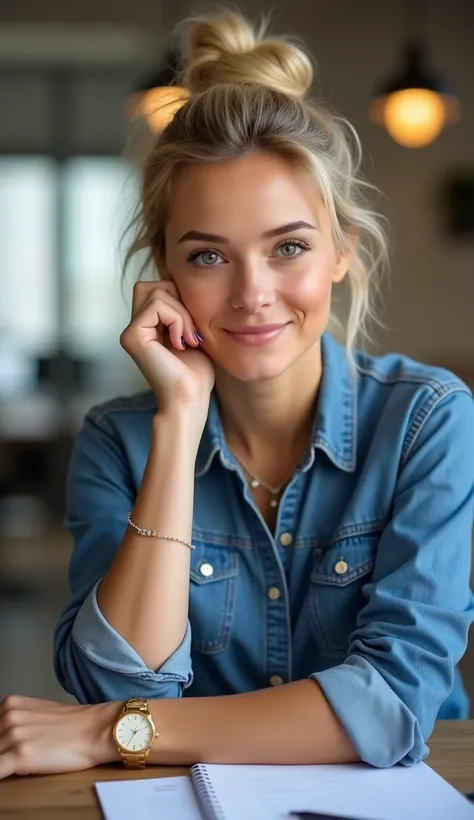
x=414 y=627
x=92 y=661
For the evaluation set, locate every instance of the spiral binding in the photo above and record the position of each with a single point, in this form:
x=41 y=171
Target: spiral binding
x=206 y=796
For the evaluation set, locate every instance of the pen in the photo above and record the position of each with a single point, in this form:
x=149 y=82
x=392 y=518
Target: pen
x=316 y=815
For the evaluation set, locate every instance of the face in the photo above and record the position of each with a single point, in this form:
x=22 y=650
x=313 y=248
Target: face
x=134 y=732
x=249 y=248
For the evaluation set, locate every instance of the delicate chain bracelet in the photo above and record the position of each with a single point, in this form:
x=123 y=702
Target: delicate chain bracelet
x=153 y=534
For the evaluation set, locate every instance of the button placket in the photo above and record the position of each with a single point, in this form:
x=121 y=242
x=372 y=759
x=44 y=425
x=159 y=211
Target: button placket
x=278 y=639
x=276 y=561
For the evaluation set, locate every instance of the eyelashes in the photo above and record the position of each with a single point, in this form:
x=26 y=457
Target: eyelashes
x=299 y=243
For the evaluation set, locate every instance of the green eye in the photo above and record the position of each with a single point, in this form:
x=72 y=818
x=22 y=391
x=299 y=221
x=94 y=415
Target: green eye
x=205 y=259
x=290 y=250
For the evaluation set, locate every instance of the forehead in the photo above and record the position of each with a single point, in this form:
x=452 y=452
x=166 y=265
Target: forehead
x=254 y=192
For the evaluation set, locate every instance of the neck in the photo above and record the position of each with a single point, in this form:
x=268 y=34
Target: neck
x=256 y=416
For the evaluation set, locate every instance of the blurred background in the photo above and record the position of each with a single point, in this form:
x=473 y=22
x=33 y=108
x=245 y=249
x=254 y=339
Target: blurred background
x=69 y=78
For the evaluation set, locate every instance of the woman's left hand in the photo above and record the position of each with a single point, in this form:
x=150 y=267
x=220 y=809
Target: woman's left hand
x=45 y=737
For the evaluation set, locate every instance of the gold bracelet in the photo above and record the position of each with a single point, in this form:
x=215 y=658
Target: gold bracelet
x=153 y=534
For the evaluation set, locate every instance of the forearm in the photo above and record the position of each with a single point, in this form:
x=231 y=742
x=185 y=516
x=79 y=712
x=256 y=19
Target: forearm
x=144 y=596
x=290 y=724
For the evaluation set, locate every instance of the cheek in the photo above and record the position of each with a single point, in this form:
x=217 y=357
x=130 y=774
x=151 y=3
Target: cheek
x=201 y=301
x=311 y=293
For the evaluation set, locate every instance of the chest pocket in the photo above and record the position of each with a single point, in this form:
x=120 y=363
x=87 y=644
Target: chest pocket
x=212 y=589
x=336 y=593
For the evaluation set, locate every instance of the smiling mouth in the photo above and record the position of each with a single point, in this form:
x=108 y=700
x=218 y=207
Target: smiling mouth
x=256 y=336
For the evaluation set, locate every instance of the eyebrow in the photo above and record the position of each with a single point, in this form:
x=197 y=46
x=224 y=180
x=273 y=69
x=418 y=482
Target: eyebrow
x=212 y=237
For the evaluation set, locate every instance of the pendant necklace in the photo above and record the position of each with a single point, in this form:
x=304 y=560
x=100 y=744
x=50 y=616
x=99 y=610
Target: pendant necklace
x=255 y=482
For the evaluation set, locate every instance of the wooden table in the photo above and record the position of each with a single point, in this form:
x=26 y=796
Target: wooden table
x=72 y=796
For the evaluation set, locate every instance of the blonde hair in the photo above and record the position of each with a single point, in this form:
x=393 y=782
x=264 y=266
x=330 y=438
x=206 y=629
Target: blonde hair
x=247 y=94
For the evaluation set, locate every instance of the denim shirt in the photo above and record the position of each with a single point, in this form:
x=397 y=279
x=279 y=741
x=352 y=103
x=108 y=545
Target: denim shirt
x=363 y=586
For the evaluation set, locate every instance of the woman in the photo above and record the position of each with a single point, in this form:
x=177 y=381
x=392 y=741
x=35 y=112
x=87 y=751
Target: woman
x=328 y=494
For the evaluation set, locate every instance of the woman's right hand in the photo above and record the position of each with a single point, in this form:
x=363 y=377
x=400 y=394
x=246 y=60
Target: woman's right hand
x=179 y=377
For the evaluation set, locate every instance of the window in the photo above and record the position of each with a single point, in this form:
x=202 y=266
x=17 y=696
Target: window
x=28 y=303
x=61 y=225
x=98 y=197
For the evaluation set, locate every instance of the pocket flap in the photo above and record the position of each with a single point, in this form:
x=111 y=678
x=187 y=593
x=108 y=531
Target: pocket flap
x=210 y=565
x=342 y=565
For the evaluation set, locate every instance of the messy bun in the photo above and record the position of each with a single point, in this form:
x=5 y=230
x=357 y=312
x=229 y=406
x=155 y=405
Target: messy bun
x=229 y=49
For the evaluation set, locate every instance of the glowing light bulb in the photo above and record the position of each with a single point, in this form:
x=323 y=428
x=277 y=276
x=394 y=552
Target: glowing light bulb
x=415 y=116
x=159 y=105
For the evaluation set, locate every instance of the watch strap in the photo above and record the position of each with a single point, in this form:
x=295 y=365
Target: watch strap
x=134 y=761
x=136 y=705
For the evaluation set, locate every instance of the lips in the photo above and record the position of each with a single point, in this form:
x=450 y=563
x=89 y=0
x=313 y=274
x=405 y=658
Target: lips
x=255 y=329
x=256 y=335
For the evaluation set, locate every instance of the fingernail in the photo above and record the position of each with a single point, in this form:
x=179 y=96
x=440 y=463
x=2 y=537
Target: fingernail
x=198 y=336
x=183 y=342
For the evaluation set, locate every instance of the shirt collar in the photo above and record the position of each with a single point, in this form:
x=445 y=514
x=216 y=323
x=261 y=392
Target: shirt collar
x=335 y=421
x=336 y=416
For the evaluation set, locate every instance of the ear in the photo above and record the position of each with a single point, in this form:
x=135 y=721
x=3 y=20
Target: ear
x=344 y=257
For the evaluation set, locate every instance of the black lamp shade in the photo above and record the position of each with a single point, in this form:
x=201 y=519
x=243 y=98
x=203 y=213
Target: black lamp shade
x=157 y=95
x=165 y=74
x=414 y=73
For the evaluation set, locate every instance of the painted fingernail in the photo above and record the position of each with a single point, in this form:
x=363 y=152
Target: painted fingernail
x=183 y=343
x=198 y=336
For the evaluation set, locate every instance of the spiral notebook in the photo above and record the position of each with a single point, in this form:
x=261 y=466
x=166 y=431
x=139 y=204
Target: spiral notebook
x=352 y=792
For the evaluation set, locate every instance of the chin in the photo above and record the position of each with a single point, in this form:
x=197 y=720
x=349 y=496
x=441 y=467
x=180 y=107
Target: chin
x=254 y=371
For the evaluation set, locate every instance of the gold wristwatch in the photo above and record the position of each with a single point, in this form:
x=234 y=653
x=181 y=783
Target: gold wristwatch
x=134 y=733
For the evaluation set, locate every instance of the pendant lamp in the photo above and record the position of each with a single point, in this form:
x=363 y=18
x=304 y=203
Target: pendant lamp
x=156 y=97
x=414 y=103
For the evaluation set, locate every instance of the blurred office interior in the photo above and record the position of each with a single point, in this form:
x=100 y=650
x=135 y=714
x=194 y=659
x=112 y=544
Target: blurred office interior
x=67 y=186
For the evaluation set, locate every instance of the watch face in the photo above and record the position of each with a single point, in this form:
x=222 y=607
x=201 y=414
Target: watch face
x=134 y=732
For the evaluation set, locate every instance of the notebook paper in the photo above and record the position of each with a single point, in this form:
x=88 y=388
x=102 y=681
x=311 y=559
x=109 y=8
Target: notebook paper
x=159 y=798
x=355 y=791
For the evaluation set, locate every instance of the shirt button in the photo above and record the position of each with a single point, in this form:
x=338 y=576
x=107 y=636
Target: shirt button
x=276 y=680
x=286 y=539
x=206 y=569
x=273 y=593
x=341 y=567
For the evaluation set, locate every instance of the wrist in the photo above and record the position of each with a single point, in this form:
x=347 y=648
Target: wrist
x=181 y=429
x=104 y=718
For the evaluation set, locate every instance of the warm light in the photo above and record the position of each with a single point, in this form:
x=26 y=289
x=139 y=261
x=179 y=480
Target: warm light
x=414 y=117
x=159 y=105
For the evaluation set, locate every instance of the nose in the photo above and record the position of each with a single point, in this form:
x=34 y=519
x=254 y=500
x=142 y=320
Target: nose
x=252 y=288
